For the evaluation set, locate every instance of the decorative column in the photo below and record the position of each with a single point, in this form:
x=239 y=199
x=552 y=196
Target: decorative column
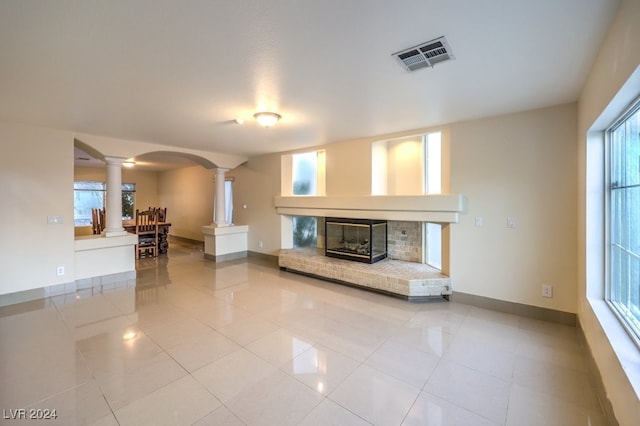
x=114 y=197
x=223 y=242
x=220 y=218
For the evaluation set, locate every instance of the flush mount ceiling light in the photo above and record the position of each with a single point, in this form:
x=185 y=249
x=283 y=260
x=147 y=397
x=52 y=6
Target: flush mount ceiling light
x=129 y=164
x=267 y=119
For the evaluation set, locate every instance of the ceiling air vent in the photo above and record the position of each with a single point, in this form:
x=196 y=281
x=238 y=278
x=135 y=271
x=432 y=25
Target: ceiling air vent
x=426 y=54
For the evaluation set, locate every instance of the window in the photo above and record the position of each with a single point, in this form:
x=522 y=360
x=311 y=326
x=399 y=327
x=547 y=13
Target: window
x=307 y=178
x=432 y=240
x=228 y=201
x=305 y=231
x=433 y=160
x=92 y=195
x=128 y=200
x=623 y=290
x=305 y=172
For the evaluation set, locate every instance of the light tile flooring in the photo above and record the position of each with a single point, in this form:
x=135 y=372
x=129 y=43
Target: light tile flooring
x=244 y=343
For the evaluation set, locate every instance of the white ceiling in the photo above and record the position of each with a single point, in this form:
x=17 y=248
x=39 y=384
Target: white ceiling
x=179 y=72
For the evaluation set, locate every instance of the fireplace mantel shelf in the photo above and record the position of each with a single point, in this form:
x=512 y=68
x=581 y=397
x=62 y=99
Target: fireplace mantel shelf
x=423 y=208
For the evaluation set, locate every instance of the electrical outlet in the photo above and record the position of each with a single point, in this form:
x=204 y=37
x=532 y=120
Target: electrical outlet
x=511 y=222
x=547 y=290
x=60 y=271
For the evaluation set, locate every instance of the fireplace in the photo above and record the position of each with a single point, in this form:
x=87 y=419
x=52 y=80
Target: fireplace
x=361 y=240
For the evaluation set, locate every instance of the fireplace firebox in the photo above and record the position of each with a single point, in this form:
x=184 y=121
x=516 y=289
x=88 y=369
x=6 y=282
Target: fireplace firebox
x=361 y=240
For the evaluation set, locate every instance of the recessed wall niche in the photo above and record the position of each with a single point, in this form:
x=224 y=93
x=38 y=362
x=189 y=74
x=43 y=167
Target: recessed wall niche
x=407 y=166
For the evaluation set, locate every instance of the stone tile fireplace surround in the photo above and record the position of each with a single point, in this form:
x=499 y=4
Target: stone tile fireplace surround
x=404 y=240
x=403 y=213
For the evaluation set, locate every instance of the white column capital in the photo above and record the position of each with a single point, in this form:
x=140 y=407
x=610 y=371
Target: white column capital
x=115 y=161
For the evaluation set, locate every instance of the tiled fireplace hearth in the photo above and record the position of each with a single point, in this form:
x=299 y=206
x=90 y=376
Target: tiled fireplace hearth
x=410 y=280
x=400 y=274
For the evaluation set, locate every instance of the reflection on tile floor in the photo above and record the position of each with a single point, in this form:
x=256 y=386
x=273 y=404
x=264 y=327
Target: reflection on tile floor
x=242 y=342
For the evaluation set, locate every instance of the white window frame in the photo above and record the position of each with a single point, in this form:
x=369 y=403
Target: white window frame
x=629 y=322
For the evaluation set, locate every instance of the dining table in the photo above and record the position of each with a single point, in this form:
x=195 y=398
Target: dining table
x=163 y=233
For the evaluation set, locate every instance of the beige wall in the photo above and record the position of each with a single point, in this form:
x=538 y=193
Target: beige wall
x=602 y=99
x=522 y=166
x=256 y=183
x=187 y=193
x=349 y=168
x=36 y=181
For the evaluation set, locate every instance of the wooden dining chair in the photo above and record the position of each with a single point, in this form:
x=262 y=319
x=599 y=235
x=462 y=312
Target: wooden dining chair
x=162 y=213
x=147 y=231
x=97 y=221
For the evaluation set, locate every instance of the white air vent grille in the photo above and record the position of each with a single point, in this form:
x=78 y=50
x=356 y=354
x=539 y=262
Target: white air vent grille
x=425 y=55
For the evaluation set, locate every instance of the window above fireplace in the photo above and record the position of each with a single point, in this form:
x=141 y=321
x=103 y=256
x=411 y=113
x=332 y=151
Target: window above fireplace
x=303 y=174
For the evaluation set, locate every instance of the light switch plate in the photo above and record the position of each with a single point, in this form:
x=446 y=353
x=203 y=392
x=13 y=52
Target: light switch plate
x=54 y=220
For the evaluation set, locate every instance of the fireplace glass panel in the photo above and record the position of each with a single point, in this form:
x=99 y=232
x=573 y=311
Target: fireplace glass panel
x=362 y=240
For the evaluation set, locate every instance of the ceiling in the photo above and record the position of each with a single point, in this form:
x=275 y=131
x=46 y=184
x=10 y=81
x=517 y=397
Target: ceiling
x=179 y=73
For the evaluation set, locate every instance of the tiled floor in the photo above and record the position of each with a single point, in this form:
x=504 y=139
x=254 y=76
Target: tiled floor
x=243 y=343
